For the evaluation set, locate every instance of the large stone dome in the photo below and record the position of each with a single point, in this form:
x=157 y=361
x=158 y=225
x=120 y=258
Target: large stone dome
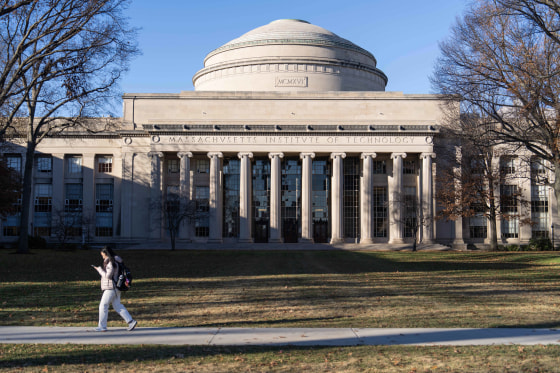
x=290 y=55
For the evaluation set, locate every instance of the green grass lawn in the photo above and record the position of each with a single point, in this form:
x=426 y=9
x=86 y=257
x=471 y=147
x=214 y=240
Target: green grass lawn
x=288 y=289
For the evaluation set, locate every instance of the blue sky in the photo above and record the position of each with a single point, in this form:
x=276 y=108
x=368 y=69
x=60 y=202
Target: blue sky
x=176 y=35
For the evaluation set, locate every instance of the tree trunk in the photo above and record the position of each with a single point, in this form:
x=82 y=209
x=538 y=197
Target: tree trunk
x=492 y=218
x=23 y=243
x=556 y=192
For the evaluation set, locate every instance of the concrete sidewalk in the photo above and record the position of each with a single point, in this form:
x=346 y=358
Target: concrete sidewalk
x=281 y=336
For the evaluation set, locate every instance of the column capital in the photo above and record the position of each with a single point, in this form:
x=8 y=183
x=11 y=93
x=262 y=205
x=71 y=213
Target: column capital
x=155 y=154
x=396 y=155
x=272 y=155
x=303 y=155
x=341 y=155
x=184 y=154
x=427 y=155
x=215 y=154
x=244 y=154
x=365 y=155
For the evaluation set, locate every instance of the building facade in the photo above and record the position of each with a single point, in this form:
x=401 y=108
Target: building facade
x=289 y=136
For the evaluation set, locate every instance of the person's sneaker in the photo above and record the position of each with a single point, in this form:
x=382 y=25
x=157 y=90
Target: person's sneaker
x=100 y=329
x=132 y=325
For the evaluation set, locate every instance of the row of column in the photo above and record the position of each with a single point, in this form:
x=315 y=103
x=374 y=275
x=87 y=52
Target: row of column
x=245 y=224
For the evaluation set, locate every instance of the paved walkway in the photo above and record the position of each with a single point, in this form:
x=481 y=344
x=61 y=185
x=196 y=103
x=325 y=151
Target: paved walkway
x=280 y=336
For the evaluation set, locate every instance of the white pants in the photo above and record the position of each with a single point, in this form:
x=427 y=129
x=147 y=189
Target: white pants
x=111 y=297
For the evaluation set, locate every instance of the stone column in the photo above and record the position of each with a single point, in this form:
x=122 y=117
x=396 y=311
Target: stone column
x=458 y=240
x=245 y=215
x=336 y=198
x=57 y=189
x=127 y=194
x=366 y=203
x=117 y=194
x=523 y=173
x=215 y=202
x=88 y=190
x=396 y=195
x=427 y=198
x=184 y=190
x=275 y=206
x=58 y=181
x=155 y=195
x=306 y=210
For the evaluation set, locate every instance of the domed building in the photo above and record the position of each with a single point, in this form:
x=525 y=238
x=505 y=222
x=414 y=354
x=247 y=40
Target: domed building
x=287 y=137
x=290 y=55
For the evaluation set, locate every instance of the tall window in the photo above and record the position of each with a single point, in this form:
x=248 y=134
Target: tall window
x=105 y=164
x=43 y=210
x=231 y=171
x=202 y=223
x=410 y=213
x=291 y=199
x=409 y=166
x=203 y=166
x=379 y=167
x=509 y=207
x=11 y=223
x=539 y=211
x=261 y=199
x=478 y=225
x=320 y=192
x=172 y=166
x=351 y=207
x=74 y=165
x=380 y=221
x=44 y=164
x=507 y=165
x=477 y=165
x=14 y=162
x=73 y=208
x=104 y=210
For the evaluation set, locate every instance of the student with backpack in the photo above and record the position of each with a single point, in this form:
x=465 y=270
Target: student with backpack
x=111 y=295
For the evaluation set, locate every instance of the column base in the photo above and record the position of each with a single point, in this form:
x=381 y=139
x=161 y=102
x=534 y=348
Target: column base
x=245 y=240
x=366 y=241
x=305 y=240
x=336 y=241
x=427 y=241
x=275 y=240
x=396 y=241
x=215 y=240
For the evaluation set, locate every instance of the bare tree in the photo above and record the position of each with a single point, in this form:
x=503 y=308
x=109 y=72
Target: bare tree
x=178 y=212
x=8 y=6
x=410 y=214
x=503 y=62
x=60 y=57
x=470 y=180
x=67 y=224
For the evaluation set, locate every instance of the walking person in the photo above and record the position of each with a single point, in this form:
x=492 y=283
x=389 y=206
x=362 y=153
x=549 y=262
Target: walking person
x=111 y=295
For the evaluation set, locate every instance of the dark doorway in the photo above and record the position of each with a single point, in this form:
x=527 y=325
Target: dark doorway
x=321 y=231
x=291 y=230
x=261 y=231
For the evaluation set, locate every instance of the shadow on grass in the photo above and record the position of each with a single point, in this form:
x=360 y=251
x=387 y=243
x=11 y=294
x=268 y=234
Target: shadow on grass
x=54 y=266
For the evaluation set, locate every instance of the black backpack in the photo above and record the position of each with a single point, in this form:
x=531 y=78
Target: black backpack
x=124 y=277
